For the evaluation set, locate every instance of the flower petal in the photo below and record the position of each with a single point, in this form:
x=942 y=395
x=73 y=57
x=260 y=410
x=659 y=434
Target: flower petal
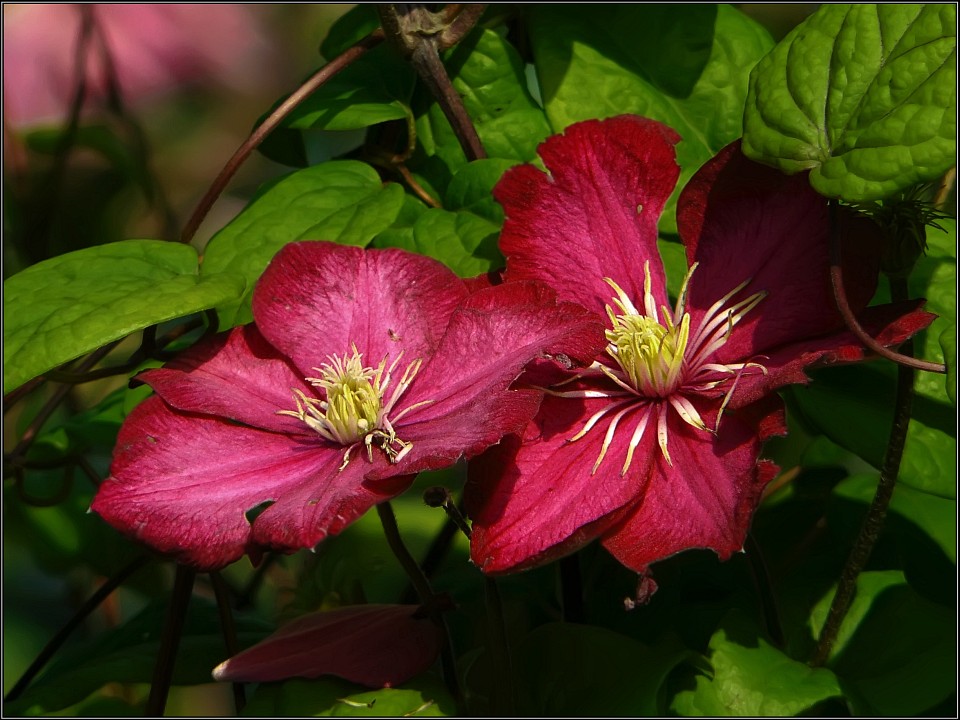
x=744 y=221
x=236 y=375
x=465 y=386
x=889 y=324
x=707 y=497
x=183 y=484
x=595 y=215
x=537 y=500
x=317 y=298
x=373 y=645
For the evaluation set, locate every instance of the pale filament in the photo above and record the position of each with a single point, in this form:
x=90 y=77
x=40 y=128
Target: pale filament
x=354 y=411
x=656 y=364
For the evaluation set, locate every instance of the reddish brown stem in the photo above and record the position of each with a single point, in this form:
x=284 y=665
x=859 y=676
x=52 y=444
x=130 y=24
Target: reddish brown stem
x=843 y=305
x=271 y=123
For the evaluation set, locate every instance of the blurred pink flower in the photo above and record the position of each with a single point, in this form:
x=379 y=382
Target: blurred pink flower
x=154 y=48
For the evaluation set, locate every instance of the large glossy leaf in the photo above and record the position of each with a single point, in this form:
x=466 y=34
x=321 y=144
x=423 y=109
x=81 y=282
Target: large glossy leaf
x=488 y=74
x=688 y=70
x=341 y=201
x=863 y=96
x=334 y=697
x=753 y=678
x=129 y=653
x=896 y=652
x=61 y=308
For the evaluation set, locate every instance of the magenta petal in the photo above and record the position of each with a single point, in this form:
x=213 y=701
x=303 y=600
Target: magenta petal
x=491 y=337
x=315 y=299
x=237 y=376
x=583 y=221
x=536 y=501
x=707 y=497
x=744 y=221
x=183 y=484
x=373 y=645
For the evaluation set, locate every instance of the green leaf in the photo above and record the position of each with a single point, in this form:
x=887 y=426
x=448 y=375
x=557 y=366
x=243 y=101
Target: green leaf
x=934 y=516
x=341 y=201
x=464 y=242
x=471 y=188
x=488 y=74
x=351 y=27
x=569 y=670
x=896 y=652
x=129 y=653
x=753 y=678
x=64 y=307
x=863 y=96
x=374 y=89
x=687 y=69
x=334 y=697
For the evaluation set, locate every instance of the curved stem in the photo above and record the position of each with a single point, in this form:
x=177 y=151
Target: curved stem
x=229 y=627
x=269 y=125
x=876 y=515
x=170 y=641
x=843 y=305
x=503 y=691
x=427 y=596
x=92 y=603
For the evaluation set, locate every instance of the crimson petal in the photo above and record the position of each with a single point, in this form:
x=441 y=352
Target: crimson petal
x=373 y=645
x=595 y=215
x=238 y=376
x=184 y=484
x=315 y=299
x=465 y=386
x=707 y=497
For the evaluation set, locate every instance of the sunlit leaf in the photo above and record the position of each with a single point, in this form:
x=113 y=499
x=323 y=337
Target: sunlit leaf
x=61 y=308
x=341 y=201
x=753 y=678
x=328 y=697
x=863 y=96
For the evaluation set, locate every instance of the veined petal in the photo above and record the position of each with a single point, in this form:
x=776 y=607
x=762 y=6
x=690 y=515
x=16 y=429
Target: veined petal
x=889 y=324
x=183 y=484
x=316 y=299
x=536 y=499
x=467 y=404
x=744 y=221
x=707 y=497
x=595 y=215
x=236 y=375
x=373 y=645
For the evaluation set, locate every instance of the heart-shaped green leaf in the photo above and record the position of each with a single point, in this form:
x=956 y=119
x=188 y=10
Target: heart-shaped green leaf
x=863 y=96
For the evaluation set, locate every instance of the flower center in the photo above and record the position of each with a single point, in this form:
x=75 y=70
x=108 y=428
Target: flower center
x=355 y=409
x=661 y=364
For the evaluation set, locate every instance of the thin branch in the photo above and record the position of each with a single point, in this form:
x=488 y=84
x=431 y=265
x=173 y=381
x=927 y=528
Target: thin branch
x=427 y=596
x=229 y=628
x=843 y=305
x=51 y=648
x=170 y=641
x=765 y=593
x=270 y=124
x=876 y=515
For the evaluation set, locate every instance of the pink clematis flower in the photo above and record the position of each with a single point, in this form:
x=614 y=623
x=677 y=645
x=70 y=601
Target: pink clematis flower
x=362 y=369
x=654 y=448
x=154 y=48
x=373 y=645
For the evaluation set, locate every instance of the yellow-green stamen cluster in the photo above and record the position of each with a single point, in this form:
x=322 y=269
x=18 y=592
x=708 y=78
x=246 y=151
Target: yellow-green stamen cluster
x=354 y=409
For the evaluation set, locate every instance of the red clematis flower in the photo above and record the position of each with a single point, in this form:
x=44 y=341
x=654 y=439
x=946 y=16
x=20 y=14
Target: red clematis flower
x=654 y=448
x=362 y=369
